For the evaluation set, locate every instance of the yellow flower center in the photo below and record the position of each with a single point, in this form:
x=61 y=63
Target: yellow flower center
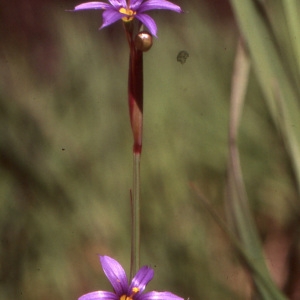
x=135 y=290
x=129 y=16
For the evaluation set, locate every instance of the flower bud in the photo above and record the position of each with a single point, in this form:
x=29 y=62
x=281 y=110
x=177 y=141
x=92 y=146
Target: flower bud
x=143 y=41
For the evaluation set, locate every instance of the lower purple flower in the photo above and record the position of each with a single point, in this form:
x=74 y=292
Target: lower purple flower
x=122 y=289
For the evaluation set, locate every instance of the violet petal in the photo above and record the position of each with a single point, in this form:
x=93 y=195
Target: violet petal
x=158 y=4
x=99 y=295
x=118 y=3
x=159 y=296
x=148 y=22
x=141 y=279
x=134 y=5
x=92 y=5
x=110 y=16
x=115 y=274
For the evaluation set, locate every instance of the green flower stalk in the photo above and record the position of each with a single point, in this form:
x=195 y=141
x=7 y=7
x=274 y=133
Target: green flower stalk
x=132 y=13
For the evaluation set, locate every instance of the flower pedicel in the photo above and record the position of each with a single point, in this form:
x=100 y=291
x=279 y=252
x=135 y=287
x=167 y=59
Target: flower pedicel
x=139 y=41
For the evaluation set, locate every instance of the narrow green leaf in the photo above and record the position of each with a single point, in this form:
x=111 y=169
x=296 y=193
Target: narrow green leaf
x=291 y=10
x=237 y=201
x=272 y=75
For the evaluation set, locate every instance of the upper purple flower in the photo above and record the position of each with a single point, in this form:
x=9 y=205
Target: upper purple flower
x=124 y=291
x=128 y=10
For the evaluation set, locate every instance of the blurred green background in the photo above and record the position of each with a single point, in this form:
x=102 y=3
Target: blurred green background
x=65 y=147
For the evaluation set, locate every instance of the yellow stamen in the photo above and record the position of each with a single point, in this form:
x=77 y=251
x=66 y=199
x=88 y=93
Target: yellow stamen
x=129 y=16
x=135 y=290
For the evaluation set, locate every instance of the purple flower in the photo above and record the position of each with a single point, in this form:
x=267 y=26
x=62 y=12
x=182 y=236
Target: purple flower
x=128 y=10
x=124 y=291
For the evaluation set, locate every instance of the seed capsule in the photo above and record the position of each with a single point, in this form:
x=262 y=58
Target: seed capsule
x=143 y=41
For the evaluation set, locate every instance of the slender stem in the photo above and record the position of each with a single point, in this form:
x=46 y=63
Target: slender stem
x=135 y=97
x=135 y=207
x=135 y=101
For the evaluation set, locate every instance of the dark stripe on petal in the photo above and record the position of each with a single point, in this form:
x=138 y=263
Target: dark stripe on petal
x=110 y=16
x=118 y=3
x=115 y=274
x=92 y=5
x=159 y=4
x=134 y=4
x=159 y=296
x=141 y=279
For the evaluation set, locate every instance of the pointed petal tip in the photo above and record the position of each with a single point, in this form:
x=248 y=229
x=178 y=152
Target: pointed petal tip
x=91 y=5
x=154 y=295
x=99 y=295
x=148 y=22
x=143 y=276
x=115 y=274
x=159 y=4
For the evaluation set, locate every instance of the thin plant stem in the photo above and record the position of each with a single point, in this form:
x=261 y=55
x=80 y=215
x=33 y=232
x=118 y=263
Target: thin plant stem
x=135 y=101
x=135 y=207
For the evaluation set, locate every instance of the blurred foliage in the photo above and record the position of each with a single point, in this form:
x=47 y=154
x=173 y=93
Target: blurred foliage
x=65 y=147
